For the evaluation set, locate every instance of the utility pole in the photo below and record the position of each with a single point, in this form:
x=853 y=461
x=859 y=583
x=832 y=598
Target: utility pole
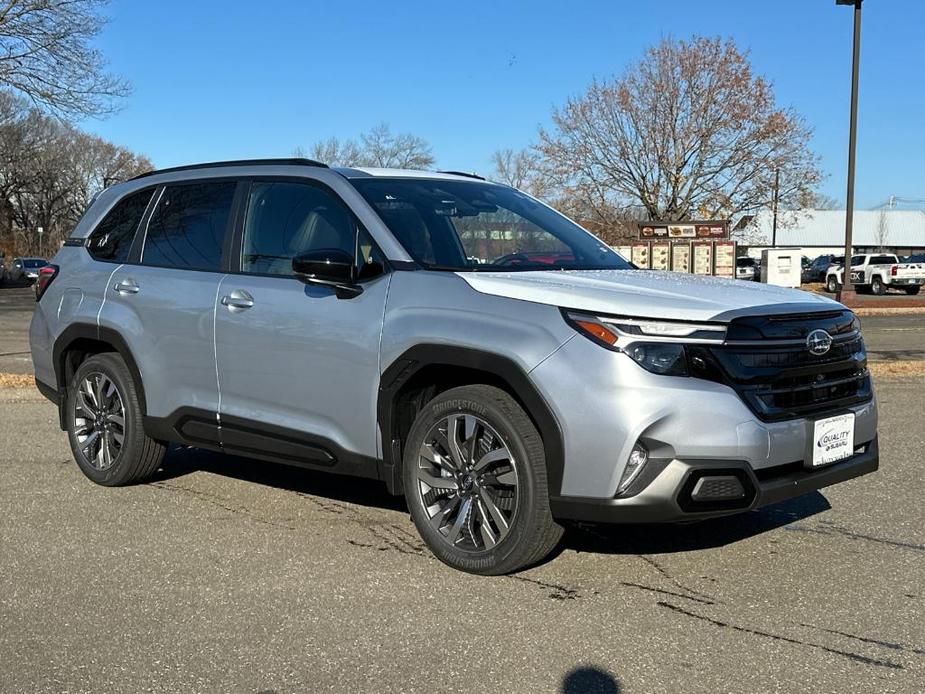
x=776 y=197
x=847 y=292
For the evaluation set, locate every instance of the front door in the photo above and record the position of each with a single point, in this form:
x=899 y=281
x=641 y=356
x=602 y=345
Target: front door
x=298 y=366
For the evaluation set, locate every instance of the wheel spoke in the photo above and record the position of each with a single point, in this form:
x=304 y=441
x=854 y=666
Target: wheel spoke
x=88 y=442
x=492 y=457
x=495 y=512
x=119 y=438
x=431 y=455
x=489 y=538
x=463 y=516
x=436 y=481
x=452 y=437
x=508 y=477
x=116 y=419
x=440 y=517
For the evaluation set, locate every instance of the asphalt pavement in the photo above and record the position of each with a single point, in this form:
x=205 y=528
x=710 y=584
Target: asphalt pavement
x=233 y=575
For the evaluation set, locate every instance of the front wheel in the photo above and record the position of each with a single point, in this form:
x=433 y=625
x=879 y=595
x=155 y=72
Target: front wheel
x=104 y=424
x=831 y=285
x=474 y=473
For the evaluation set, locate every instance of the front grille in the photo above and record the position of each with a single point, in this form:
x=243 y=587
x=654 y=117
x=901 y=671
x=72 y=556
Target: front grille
x=766 y=360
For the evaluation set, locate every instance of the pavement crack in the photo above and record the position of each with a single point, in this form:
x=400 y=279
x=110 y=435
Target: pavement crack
x=558 y=592
x=639 y=586
x=675 y=582
x=830 y=529
x=891 y=645
x=857 y=657
x=218 y=502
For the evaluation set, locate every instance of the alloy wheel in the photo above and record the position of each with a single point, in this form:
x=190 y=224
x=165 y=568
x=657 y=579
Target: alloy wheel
x=467 y=482
x=99 y=420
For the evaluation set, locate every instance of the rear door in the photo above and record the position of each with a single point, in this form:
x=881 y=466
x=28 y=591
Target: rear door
x=162 y=302
x=298 y=366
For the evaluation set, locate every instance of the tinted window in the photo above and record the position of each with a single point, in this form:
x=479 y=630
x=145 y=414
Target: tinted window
x=33 y=263
x=457 y=225
x=112 y=238
x=187 y=228
x=883 y=260
x=286 y=218
x=745 y=262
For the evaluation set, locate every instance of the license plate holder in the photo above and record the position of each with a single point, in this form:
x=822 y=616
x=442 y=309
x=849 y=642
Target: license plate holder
x=831 y=439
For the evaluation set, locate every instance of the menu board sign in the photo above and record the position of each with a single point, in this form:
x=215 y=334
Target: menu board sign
x=703 y=257
x=625 y=251
x=681 y=257
x=724 y=262
x=682 y=231
x=711 y=231
x=656 y=232
x=660 y=256
x=641 y=255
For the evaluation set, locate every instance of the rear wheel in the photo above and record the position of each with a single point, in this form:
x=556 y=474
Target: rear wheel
x=475 y=482
x=105 y=424
x=877 y=286
x=913 y=290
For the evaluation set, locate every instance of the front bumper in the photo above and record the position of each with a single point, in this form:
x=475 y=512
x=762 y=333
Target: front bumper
x=667 y=498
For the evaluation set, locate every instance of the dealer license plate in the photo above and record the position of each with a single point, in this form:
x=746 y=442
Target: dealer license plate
x=833 y=439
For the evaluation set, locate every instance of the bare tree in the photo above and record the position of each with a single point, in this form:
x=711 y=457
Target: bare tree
x=46 y=55
x=883 y=231
x=821 y=201
x=521 y=169
x=377 y=147
x=687 y=132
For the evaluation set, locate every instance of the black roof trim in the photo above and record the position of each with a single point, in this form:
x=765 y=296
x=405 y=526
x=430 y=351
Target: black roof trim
x=237 y=162
x=463 y=173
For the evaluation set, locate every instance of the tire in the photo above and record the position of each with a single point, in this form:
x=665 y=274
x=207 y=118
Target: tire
x=877 y=286
x=107 y=461
x=831 y=284
x=459 y=519
x=912 y=291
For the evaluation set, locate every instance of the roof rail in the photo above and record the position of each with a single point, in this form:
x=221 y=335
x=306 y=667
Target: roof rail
x=237 y=162
x=463 y=173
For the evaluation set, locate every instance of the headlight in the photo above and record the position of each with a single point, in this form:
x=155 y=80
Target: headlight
x=666 y=358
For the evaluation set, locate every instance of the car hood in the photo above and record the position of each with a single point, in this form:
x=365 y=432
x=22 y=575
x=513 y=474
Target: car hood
x=647 y=293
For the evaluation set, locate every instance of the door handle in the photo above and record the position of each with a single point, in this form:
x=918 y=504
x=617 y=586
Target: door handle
x=126 y=287
x=238 y=300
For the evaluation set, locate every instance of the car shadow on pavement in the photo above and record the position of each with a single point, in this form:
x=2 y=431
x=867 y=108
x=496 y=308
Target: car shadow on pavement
x=181 y=461
x=580 y=537
x=668 y=538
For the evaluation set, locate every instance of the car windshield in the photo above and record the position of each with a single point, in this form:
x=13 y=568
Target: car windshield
x=475 y=226
x=745 y=262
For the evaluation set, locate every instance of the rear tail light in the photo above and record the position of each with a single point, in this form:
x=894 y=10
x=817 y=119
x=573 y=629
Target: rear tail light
x=893 y=269
x=46 y=275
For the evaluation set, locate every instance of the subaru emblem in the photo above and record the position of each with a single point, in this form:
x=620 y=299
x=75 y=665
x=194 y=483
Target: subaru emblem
x=818 y=342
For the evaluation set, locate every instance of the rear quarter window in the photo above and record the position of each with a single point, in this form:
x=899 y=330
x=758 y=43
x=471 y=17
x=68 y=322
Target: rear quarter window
x=113 y=236
x=187 y=228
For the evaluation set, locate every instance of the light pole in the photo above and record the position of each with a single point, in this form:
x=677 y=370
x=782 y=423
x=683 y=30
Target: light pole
x=847 y=292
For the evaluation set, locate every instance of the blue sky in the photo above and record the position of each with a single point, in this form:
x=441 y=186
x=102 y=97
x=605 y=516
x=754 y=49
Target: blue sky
x=231 y=79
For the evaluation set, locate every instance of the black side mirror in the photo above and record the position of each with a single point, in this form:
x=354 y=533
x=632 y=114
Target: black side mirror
x=331 y=267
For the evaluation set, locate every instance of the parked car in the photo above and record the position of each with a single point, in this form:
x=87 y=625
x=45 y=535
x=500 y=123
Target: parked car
x=746 y=269
x=818 y=267
x=370 y=323
x=877 y=272
x=25 y=269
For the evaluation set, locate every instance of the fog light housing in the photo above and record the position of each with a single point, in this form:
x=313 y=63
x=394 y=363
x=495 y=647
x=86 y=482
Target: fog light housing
x=634 y=465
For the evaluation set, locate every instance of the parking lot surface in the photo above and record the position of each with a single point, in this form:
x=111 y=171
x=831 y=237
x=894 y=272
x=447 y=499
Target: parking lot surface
x=227 y=574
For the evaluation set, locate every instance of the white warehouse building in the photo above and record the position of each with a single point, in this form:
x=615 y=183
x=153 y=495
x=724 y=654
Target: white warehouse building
x=816 y=232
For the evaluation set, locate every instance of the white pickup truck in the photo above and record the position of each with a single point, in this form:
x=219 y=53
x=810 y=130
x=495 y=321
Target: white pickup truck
x=877 y=272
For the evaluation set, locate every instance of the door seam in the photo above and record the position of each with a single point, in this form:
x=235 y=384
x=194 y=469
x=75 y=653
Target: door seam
x=218 y=382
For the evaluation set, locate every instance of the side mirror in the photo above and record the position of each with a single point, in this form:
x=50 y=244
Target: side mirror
x=330 y=267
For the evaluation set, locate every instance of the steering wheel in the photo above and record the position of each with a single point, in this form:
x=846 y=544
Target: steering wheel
x=511 y=259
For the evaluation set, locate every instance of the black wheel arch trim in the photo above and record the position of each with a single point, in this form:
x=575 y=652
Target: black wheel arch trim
x=88 y=331
x=412 y=360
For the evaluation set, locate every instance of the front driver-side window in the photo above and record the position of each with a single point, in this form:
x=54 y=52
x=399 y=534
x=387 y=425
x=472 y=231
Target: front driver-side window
x=286 y=218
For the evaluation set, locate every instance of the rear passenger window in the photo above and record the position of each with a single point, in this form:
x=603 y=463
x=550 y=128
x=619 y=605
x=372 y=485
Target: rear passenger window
x=112 y=238
x=187 y=228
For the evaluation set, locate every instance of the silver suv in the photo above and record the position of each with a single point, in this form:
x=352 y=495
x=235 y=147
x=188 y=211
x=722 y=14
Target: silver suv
x=456 y=339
